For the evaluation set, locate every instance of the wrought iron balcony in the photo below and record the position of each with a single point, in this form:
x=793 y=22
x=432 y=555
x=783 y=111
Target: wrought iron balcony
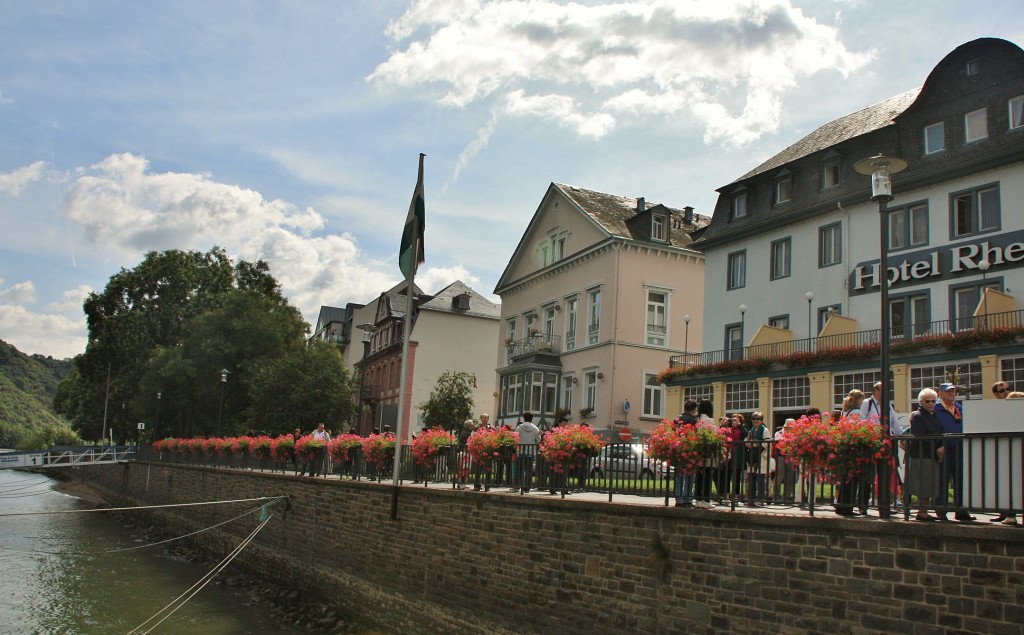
x=534 y=344
x=992 y=322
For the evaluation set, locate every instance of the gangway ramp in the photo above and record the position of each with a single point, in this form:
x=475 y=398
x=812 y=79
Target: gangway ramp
x=67 y=456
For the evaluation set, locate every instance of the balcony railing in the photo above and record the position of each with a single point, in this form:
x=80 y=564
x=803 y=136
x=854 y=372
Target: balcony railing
x=534 y=344
x=899 y=333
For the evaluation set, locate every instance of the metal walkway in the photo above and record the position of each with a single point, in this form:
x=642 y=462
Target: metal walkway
x=67 y=456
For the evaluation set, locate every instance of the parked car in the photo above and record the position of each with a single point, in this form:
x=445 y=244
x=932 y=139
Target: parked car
x=626 y=460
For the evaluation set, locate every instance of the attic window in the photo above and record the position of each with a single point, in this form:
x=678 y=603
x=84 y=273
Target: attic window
x=739 y=204
x=783 y=189
x=461 y=302
x=658 y=227
x=973 y=67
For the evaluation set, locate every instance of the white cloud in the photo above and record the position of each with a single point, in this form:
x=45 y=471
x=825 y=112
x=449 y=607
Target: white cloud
x=433 y=279
x=42 y=333
x=12 y=182
x=71 y=301
x=125 y=208
x=21 y=293
x=592 y=68
x=5 y=100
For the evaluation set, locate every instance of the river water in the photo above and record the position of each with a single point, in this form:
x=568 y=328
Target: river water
x=60 y=574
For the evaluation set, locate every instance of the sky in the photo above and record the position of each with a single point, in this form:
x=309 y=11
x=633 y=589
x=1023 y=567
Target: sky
x=290 y=131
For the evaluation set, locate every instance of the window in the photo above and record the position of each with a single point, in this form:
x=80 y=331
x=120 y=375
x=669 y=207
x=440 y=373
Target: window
x=740 y=395
x=973 y=67
x=932 y=376
x=658 y=228
x=567 y=392
x=549 y=321
x=830 y=174
x=909 y=316
x=964 y=301
x=704 y=392
x=830 y=245
x=908 y=227
x=974 y=212
x=934 y=138
x=559 y=247
x=783 y=189
x=1011 y=370
x=975 y=125
x=1017 y=112
x=791 y=392
x=739 y=204
x=657 y=309
x=654 y=397
x=510 y=330
x=843 y=384
x=571 y=308
x=734 y=341
x=737 y=270
x=781 y=250
x=536 y=390
x=542 y=254
x=593 y=316
x=779 y=321
x=531 y=321
x=590 y=389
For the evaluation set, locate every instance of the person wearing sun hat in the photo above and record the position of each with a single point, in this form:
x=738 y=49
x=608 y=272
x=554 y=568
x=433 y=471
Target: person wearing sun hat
x=952 y=417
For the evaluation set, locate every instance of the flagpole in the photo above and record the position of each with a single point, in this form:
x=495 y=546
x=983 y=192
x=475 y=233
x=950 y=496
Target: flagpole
x=410 y=256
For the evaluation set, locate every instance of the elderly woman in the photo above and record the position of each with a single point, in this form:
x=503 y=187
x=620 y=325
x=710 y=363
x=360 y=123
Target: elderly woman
x=924 y=455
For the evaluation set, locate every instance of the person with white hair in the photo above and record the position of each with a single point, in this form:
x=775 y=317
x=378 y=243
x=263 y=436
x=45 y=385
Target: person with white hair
x=786 y=475
x=924 y=457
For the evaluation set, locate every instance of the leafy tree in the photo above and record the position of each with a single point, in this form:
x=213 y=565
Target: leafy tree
x=150 y=311
x=54 y=435
x=450 y=402
x=302 y=388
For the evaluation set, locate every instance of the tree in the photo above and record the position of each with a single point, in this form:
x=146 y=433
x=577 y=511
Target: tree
x=450 y=402
x=301 y=389
x=145 y=314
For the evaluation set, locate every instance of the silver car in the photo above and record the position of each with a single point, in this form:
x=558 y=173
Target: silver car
x=625 y=460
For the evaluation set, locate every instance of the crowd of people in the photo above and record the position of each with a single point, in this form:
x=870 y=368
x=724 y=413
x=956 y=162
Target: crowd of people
x=931 y=452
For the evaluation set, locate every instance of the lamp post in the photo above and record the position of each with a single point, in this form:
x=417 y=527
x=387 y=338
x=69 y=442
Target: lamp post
x=156 y=426
x=224 y=372
x=881 y=168
x=984 y=265
x=686 y=340
x=743 y=328
x=810 y=296
x=367 y=330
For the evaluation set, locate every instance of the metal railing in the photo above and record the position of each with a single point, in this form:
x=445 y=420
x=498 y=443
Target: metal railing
x=902 y=333
x=984 y=473
x=534 y=344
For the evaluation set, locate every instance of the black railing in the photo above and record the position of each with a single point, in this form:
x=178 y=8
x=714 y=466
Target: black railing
x=921 y=331
x=989 y=479
x=534 y=344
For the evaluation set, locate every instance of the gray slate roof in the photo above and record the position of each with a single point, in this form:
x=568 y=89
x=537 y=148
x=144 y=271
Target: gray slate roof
x=861 y=122
x=611 y=212
x=479 y=306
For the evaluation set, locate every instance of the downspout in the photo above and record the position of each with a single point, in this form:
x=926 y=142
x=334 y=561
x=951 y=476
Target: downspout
x=615 y=333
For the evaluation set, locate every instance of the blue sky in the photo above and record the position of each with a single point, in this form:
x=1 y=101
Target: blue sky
x=290 y=131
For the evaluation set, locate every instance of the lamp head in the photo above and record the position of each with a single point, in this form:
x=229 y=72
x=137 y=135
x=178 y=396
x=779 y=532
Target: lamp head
x=880 y=168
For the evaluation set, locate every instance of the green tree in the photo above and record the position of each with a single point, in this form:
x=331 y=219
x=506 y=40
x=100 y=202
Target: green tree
x=450 y=402
x=302 y=388
x=141 y=315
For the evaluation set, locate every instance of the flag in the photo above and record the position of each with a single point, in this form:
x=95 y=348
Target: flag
x=410 y=254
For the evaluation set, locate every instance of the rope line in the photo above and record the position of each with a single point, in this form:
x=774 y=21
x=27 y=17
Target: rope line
x=126 y=509
x=201 y=583
x=198 y=531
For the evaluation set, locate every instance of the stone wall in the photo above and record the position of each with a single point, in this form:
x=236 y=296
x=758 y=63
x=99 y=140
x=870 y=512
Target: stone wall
x=465 y=562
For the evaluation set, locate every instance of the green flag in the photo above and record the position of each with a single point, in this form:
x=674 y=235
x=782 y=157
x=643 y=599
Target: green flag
x=410 y=254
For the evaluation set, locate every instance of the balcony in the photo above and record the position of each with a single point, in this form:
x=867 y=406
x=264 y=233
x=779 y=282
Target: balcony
x=540 y=343
x=992 y=326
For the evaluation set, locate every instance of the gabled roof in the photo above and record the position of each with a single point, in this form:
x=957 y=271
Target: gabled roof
x=610 y=214
x=852 y=125
x=479 y=306
x=330 y=315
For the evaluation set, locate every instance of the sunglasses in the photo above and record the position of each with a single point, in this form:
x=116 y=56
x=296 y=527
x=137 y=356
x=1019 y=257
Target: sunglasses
x=927 y=401
x=1002 y=390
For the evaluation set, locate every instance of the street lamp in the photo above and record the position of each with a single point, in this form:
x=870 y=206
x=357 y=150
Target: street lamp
x=224 y=372
x=743 y=327
x=881 y=168
x=156 y=426
x=810 y=296
x=367 y=330
x=984 y=265
x=686 y=339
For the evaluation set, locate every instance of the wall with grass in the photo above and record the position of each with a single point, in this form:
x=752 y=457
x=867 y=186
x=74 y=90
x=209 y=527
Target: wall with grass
x=467 y=562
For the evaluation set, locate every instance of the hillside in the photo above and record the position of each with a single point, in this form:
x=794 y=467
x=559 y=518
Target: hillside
x=27 y=387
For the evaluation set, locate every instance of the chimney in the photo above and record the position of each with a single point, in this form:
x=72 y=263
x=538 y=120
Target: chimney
x=641 y=205
x=688 y=215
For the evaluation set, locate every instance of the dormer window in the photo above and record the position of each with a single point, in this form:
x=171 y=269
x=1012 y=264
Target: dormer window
x=973 y=67
x=461 y=302
x=659 y=228
x=829 y=174
x=739 y=204
x=976 y=125
x=934 y=138
x=783 y=189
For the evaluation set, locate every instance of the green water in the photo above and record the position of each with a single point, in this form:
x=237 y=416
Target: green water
x=60 y=575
